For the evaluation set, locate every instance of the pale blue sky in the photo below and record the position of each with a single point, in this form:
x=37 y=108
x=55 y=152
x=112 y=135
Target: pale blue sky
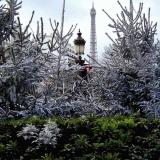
x=78 y=11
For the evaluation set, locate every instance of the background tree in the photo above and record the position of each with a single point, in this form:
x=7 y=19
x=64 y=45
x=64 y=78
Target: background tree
x=134 y=56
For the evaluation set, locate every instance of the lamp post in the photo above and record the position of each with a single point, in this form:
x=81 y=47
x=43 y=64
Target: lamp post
x=79 y=45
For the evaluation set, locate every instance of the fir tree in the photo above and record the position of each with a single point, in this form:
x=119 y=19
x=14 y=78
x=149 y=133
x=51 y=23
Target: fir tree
x=133 y=57
x=32 y=78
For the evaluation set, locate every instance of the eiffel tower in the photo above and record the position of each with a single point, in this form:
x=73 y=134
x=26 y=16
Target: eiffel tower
x=93 y=37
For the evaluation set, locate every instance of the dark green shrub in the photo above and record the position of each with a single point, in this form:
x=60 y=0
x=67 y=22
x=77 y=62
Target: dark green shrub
x=94 y=138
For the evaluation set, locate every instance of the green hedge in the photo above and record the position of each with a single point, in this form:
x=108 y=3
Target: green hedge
x=91 y=138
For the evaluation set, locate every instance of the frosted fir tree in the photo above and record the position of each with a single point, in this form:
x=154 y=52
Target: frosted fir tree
x=22 y=70
x=62 y=77
x=134 y=57
x=8 y=28
x=31 y=78
x=61 y=74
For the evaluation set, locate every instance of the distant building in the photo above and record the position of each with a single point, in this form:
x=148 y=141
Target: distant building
x=71 y=54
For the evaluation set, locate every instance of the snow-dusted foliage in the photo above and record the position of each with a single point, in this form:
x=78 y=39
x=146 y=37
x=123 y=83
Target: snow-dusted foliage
x=23 y=71
x=28 y=132
x=35 y=79
x=95 y=95
x=47 y=136
x=133 y=58
x=7 y=74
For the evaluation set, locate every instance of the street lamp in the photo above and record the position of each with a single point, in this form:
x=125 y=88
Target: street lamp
x=79 y=44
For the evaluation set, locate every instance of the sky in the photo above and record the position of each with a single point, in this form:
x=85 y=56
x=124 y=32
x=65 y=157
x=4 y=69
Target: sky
x=78 y=12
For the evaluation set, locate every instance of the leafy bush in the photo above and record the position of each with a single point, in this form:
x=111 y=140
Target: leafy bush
x=83 y=138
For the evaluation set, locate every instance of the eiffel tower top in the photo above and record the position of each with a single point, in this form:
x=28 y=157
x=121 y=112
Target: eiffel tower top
x=93 y=11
